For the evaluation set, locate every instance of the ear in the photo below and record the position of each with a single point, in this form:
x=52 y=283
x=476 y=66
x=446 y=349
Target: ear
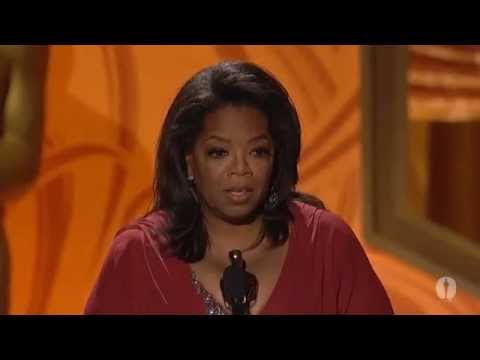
x=189 y=162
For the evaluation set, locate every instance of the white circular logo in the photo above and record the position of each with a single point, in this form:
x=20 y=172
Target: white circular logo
x=446 y=288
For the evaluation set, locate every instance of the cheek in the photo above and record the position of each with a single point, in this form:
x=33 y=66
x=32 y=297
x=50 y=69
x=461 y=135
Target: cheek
x=213 y=171
x=208 y=175
x=263 y=172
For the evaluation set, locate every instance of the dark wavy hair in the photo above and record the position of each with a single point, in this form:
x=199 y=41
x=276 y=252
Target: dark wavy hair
x=227 y=83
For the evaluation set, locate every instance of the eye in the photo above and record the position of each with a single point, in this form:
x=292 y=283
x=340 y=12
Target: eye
x=262 y=152
x=217 y=153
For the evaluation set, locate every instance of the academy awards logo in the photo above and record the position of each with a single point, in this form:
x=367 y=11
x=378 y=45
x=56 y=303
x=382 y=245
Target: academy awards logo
x=446 y=288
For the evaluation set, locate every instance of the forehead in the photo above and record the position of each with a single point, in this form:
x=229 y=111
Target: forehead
x=235 y=121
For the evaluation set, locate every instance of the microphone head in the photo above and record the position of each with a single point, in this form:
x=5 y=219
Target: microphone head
x=235 y=255
x=236 y=258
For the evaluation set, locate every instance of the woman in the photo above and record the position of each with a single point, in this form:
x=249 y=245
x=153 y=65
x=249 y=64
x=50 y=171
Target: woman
x=226 y=170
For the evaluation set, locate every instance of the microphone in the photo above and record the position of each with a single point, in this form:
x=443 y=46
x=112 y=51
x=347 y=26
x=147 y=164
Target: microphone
x=239 y=287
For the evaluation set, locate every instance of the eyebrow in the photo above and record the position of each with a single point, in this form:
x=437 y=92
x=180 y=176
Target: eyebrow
x=216 y=137
x=259 y=137
x=222 y=139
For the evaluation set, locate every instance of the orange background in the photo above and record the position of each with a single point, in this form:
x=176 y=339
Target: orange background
x=105 y=107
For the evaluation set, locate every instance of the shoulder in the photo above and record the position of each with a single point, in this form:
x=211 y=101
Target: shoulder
x=145 y=232
x=134 y=271
x=314 y=219
x=323 y=231
x=337 y=254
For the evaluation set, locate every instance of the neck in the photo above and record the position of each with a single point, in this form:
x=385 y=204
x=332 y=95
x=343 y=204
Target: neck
x=224 y=236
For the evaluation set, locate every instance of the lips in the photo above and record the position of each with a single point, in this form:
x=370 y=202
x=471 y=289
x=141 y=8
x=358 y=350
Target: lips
x=239 y=194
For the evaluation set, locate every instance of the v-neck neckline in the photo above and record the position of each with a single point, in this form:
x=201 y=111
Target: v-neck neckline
x=279 y=284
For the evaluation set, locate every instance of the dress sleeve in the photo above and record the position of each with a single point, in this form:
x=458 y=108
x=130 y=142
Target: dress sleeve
x=360 y=290
x=122 y=269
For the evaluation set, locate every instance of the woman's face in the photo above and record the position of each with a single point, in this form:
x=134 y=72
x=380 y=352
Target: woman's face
x=231 y=163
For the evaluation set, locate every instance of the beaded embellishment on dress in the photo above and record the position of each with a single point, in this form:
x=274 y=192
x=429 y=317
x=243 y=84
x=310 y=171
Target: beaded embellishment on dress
x=213 y=307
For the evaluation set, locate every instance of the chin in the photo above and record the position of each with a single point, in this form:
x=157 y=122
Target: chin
x=240 y=216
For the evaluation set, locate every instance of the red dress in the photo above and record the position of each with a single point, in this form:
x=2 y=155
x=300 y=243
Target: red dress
x=326 y=271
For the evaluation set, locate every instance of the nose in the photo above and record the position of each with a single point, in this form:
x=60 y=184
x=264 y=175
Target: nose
x=240 y=166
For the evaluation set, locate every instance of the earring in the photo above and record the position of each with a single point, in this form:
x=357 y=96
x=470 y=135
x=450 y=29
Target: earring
x=191 y=188
x=272 y=200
